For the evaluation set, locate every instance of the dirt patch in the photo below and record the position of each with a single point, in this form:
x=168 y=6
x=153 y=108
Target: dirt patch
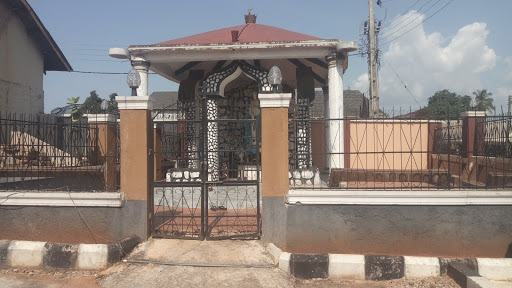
x=431 y=282
x=51 y=279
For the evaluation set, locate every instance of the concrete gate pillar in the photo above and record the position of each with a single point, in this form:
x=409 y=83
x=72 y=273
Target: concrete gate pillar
x=274 y=163
x=472 y=133
x=103 y=137
x=137 y=158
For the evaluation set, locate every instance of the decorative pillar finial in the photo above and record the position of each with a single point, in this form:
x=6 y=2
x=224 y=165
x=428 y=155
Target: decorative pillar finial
x=250 y=18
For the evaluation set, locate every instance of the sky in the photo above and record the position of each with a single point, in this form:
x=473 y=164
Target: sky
x=426 y=45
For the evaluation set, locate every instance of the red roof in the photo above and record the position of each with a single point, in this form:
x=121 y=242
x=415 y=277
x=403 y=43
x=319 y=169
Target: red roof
x=247 y=33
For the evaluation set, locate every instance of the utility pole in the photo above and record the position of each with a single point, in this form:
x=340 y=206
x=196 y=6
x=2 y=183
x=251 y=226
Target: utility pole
x=509 y=104
x=372 y=63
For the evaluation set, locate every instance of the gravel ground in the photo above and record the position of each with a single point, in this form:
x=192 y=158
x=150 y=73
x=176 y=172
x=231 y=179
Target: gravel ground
x=28 y=278
x=150 y=275
x=243 y=264
x=432 y=282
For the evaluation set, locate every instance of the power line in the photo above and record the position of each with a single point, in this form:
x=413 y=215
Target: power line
x=406 y=18
x=99 y=45
x=417 y=14
x=85 y=49
x=419 y=23
x=405 y=86
x=102 y=73
x=406 y=10
x=106 y=73
x=97 y=60
x=87 y=54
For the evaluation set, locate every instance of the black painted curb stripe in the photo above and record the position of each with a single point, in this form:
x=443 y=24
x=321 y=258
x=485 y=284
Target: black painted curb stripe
x=460 y=273
x=469 y=262
x=382 y=267
x=309 y=266
x=113 y=254
x=60 y=255
x=128 y=244
x=377 y=267
x=4 y=248
x=65 y=256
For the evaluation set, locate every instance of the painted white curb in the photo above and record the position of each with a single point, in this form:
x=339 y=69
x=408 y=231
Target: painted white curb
x=479 y=282
x=26 y=253
x=92 y=256
x=275 y=252
x=346 y=266
x=284 y=261
x=420 y=267
x=44 y=255
x=495 y=269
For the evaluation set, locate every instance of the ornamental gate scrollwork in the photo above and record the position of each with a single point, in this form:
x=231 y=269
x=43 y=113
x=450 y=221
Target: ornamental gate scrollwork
x=209 y=190
x=216 y=80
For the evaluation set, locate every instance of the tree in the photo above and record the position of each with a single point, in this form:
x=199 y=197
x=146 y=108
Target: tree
x=75 y=108
x=112 y=104
x=483 y=100
x=448 y=105
x=92 y=105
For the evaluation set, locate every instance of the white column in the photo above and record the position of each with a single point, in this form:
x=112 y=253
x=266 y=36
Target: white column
x=334 y=131
x=143 y=67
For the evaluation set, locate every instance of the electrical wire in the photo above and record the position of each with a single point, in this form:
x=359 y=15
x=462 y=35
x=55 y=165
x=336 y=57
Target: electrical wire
x=197 y=265
x=96 y=60
x=406 y=10
x=403 y=20
x=418 y=23
x=405 y=86
x=389 y=32
x=106 y=73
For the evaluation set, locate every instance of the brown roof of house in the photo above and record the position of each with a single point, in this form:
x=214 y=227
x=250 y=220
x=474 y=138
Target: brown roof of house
x=247 y=33
x=165 y=99
x=355 y=105
x=54 y=59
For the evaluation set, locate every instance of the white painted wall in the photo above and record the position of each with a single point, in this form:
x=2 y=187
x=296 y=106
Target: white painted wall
x=21 y=67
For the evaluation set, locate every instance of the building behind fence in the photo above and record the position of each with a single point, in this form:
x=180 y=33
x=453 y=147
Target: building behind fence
x=473 y=152
x=54 y=153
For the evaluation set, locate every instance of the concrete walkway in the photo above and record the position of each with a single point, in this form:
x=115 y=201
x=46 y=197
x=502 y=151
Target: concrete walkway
x=191 y=263
x=191 y=252
x=186 y=263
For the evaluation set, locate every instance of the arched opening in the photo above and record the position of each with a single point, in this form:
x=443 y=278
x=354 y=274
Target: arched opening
x=239 y=129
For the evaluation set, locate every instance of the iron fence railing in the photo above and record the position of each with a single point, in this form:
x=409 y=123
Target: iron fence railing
x=400 y=153
x=54 y=153
x=495 y=134
x=449 y=138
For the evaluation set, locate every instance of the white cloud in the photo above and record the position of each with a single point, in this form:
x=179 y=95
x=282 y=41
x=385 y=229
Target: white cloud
x=508 y=62
x=501 y=98
x=361 y=83
x=427 y=63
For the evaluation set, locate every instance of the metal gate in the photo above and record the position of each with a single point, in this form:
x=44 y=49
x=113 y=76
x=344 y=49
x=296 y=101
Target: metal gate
x=207 y=168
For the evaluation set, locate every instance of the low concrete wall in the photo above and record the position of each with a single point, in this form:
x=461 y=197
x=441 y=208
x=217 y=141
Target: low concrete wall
x=443 y=231
x=66 y=224
x=477 y=170
x=388 y=144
